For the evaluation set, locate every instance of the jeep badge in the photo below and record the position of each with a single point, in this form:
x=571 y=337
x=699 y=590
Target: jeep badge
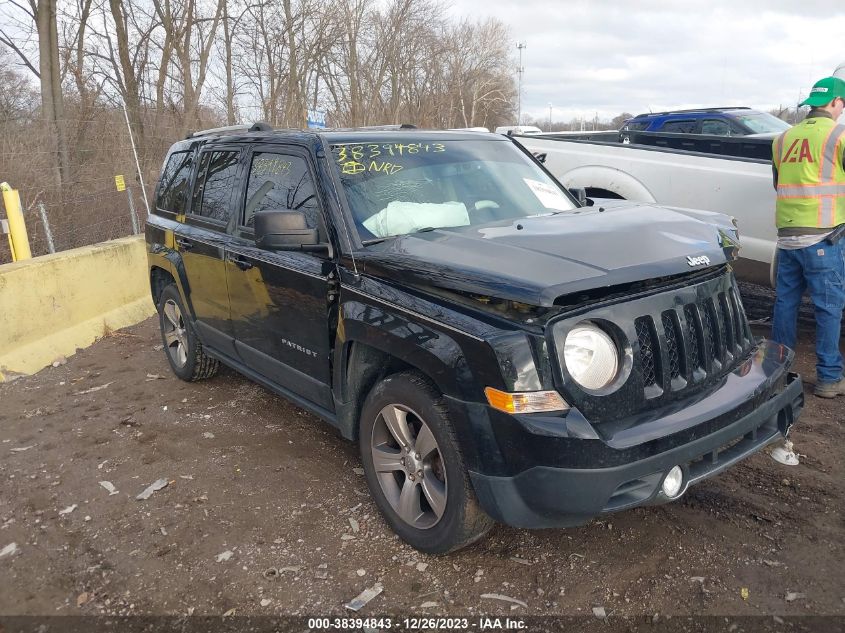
x=703 y=260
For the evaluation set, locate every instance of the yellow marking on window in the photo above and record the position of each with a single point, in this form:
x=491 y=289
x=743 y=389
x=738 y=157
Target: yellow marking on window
x=270 y=166
x=348 y=156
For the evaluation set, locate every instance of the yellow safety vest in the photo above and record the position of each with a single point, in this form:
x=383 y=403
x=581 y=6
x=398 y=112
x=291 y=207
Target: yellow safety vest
x=811 y=179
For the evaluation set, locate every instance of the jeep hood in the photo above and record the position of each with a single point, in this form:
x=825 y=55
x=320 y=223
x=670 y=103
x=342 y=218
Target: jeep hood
x=535 y=260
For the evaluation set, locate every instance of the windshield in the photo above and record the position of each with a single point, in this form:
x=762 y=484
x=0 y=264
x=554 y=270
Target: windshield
x=763 y=123
x=412 y=184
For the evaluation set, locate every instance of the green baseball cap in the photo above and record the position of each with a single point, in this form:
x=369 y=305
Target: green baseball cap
x=824 y=91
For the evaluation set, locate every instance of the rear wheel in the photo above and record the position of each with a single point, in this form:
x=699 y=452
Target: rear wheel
x=414 y=467
x=181 y=345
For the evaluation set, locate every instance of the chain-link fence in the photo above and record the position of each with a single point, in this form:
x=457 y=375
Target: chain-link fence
x=98 y=196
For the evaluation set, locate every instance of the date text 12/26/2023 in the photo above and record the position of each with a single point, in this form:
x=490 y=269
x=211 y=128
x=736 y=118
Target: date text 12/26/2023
x=481 y=623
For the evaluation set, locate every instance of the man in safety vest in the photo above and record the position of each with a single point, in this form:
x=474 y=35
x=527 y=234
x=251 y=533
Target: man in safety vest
x=809 y=171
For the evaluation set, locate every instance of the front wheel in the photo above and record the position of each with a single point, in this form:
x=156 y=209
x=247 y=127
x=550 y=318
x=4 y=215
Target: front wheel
x=414 y=467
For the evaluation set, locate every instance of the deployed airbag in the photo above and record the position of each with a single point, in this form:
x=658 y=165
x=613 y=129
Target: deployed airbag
x=399 y=218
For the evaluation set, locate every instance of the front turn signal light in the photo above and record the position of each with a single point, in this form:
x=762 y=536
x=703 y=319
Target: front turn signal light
x=526 y=402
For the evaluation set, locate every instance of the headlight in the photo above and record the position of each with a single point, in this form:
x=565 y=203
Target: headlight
x=591 y=356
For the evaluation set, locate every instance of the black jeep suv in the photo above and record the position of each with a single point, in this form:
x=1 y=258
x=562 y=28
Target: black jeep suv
x=498 y=351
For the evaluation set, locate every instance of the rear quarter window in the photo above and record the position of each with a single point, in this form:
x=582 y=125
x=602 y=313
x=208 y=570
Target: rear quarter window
x=175 y=183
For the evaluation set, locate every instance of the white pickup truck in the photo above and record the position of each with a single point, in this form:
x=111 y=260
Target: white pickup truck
x=741 y=187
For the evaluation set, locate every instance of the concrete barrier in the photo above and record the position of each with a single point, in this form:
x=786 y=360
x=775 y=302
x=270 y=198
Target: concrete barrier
x=52 y=305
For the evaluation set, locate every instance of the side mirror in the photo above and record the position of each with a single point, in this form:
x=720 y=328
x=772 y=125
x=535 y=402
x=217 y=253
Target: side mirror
x=282 y=230
x=581 y=196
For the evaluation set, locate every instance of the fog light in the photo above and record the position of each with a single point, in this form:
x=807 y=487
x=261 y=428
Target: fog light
x=673 y=481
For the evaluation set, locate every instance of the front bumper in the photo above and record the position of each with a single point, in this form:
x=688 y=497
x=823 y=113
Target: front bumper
x=754 y=407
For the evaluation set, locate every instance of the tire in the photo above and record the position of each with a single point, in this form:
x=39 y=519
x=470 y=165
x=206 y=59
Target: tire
x=438 y=511
x=181 y=345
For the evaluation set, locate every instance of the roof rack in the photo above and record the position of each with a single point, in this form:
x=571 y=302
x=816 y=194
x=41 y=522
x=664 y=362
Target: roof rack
x=258 y=126
x=691 y=110
x=261 y=126
x=387 y=126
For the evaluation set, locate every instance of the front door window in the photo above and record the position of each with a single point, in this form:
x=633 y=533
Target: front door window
x=278 y=182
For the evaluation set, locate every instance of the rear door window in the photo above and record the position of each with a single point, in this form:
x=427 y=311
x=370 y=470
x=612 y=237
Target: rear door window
x=685 y=126
x=279 y=181
x=173 y=187
x=215 y=182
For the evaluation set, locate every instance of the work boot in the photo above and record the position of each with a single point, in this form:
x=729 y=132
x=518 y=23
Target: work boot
x=830 y=389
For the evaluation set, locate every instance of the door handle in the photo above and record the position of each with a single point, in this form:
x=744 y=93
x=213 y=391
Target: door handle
x=240 y=262
x=186 y=244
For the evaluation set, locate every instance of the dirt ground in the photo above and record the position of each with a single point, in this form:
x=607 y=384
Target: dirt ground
x=266 y=512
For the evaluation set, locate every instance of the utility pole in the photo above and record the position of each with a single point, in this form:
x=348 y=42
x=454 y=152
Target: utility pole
x=520 y=70
x=550 y=116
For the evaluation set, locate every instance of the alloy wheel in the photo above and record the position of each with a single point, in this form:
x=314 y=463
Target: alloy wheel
x=409 y=466
x=175 y=334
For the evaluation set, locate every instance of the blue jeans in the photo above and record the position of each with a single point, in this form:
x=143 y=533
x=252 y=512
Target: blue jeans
x=819 y=268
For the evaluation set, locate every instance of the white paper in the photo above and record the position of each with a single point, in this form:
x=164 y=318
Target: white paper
x=548 y=195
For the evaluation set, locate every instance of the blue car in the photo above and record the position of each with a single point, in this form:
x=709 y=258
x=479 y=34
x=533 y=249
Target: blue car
x=733 y=121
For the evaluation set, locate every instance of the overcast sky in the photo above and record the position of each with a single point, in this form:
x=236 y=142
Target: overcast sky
x=609 y=56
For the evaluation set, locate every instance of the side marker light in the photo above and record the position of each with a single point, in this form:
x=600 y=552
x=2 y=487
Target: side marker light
x=525 y=402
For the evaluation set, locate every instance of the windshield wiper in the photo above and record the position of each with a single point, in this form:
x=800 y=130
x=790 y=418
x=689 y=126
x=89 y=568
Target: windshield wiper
x=379 y=240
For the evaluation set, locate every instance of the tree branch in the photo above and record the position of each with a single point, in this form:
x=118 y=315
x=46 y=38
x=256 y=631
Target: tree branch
x=7 y=41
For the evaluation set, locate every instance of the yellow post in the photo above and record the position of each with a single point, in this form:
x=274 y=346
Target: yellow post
x=18 y=240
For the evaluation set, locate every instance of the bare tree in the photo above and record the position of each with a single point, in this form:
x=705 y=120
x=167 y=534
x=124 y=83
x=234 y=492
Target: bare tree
x=229 y=27
x=619 y=120
x=128 y=72
x=18 y=100
x=197 y=39
x=17 y=31
x=43 y=14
